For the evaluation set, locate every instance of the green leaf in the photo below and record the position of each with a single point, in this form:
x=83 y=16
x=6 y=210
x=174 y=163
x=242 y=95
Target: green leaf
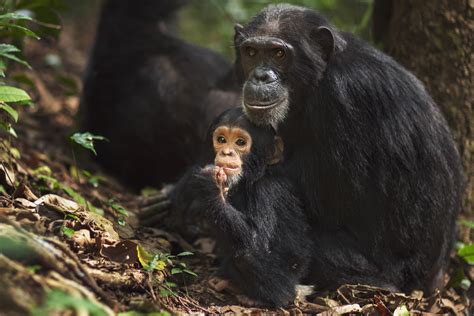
x=66 y=231
x=86 y=140
x=15 y=153
x=33 y=269
x=15 y=58
x=95 y=181
x=7 y=127
x=75 y=196
x=117 y=207
x=12 y=94
x=23 y=79
x=465 y=284
x=2 y=68
x=185 y=253
x=121 y=221
x=467 y=223
x=190 y=272
x=20 y=28
x=144 y=257
x=176 y=270
x=8 y=48
x=71 y=216
x=14 y=16
x=13 y=113
x=170 y=284
x=44 y=170
x=467 y=253
x=166 y=293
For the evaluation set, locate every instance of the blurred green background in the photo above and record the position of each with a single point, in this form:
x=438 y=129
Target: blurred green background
x=209 y=23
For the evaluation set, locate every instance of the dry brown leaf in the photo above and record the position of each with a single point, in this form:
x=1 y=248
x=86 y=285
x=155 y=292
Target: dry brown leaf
x=122 y=252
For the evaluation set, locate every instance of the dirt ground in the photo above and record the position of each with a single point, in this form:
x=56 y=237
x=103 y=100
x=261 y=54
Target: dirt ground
x=70 y=241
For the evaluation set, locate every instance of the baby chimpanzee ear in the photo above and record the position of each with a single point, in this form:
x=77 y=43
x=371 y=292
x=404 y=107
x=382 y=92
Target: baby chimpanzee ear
x=277 y=155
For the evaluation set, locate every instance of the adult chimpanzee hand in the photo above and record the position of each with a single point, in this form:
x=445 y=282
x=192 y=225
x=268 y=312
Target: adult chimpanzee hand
x=182 y=202
x=154 y=208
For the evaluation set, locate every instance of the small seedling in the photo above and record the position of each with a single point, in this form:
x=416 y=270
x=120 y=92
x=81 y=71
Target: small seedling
x=86 y=140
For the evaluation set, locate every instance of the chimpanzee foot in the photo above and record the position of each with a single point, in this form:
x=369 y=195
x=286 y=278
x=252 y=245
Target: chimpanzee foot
x=246 y=301
x=220 y=285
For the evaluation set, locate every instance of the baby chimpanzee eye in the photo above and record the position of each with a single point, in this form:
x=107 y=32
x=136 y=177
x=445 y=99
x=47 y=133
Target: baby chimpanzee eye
x=240 y=142
x=221 y=139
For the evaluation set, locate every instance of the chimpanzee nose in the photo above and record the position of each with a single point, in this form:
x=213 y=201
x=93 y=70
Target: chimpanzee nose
x=263 y=75
x=227 y=152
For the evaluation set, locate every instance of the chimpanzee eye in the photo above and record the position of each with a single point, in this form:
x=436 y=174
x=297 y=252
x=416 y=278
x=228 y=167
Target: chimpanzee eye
x=221 y=139
x=279 y=53
x=240 y=142
x=251 y=51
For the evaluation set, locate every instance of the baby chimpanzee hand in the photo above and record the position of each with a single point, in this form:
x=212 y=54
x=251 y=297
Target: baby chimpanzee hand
x=213 y=177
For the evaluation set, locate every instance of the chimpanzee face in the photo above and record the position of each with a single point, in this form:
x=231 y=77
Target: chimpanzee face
x=231 y=145
x=280 y=57
x=265 y=94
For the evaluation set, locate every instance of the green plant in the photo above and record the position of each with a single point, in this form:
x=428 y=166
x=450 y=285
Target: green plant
x=86 y=140
x=166 y=264
x=11 y=96
x=119 y=209
x=466 y=252
x=44 y=175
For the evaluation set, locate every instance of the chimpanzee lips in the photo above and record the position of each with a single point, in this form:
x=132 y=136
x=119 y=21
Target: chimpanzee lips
x=229 y=169
x=262 y=105
x=262 y=95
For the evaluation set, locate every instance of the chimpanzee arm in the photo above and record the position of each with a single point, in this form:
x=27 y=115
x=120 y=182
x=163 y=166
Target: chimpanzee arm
x=252 y=224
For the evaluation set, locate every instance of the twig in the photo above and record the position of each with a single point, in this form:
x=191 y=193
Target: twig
x=342 y=295
x=152 y=291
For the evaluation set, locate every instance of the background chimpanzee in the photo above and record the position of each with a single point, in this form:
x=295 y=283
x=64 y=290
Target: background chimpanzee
x=258 y=220
x=364 y=143
x=152 y=95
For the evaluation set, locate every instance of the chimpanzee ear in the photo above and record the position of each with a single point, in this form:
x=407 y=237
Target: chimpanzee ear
x=277 y=152
x=325 y=38
x=238 y=32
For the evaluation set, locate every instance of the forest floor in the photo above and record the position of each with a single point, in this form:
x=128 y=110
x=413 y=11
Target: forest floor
x=70 y=239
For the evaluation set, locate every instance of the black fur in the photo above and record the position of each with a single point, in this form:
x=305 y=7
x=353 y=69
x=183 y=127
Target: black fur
x=151 y=94
x=260 y=226
x=370 y=153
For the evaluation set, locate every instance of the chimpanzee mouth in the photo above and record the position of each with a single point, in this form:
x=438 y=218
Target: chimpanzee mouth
x=262 y=105
x=229 y=169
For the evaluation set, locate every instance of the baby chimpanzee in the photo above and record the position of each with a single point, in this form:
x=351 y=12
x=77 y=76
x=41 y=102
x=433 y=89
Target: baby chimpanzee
x=258 y=220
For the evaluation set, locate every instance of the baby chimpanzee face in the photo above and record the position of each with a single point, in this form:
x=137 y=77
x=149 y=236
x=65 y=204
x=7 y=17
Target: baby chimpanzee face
x=242 y=149
x=231 y=145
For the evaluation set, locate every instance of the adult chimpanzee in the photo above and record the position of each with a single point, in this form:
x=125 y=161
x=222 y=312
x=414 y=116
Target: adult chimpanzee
x=364 y=143
x=259 y=222
x=151 y=94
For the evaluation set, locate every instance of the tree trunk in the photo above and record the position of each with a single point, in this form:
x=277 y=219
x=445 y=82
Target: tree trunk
x=435 y=40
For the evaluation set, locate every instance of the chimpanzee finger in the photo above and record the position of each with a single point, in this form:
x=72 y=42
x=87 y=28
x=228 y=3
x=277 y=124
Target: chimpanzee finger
x=154 y=219
x=154 y=199
x=154 y=209
x=158 y=197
